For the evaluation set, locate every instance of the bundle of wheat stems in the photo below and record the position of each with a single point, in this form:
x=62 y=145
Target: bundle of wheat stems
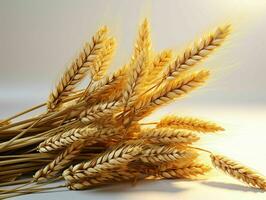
x=94 y=136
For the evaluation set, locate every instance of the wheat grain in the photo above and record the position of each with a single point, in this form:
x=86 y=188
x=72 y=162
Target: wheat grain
x=59 y=163
x=189 y=123
x=239 y=171
x=78 y=69
x=168 y=135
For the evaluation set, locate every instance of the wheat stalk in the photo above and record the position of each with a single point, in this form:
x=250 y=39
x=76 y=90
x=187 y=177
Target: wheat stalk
x=189 y=123
x=239 y=171
x=168 y=136
x=78 y=69
x=59 y=163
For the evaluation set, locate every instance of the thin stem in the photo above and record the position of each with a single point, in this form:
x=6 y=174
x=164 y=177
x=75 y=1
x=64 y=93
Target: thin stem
x=22 y=113
x=149 y=123
x=200 y=149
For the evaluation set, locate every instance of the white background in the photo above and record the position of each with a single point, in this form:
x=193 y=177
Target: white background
x=38 y=39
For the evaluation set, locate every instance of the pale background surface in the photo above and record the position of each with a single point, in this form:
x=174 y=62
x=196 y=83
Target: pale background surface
x=39 y=38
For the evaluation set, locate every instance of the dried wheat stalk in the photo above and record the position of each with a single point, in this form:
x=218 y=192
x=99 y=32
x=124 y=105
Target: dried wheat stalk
x=239 y=171
x=78 y=69
x=101 y=123
x=189 y=123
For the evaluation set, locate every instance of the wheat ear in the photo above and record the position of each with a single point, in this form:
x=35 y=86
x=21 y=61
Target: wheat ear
x=98 y=71
x=159 y=154
x=172 y=90
x=137 y=69
x=168 y=136
x=143 y=42
x=59 y=163
x=107 y=89
x=159 y=62
x=190 y=171
x=199 y=51
x=105 y=178
x=117 y=157
x=97 y=112
x=62 y=140
x=189 y=123
x=239 y=171
x=78 y=69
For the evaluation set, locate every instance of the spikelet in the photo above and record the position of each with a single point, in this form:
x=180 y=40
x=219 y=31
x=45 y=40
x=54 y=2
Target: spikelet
x=59 y=163
x=117 y=157
x=191 y=171
x=78 y=69
x=168 y=136
x=199 y=51
x=172 y=90
x=239 y=171
x=62 y=140
x=159 y=154
x=189 y=123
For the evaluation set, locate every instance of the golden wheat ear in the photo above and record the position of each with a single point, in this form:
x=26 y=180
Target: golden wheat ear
x=198 y=52
x=239 y=171
x=78 y=69
x=193 y=124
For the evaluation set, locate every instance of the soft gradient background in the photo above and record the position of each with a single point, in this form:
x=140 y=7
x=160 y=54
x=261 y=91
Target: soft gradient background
x=39 y=38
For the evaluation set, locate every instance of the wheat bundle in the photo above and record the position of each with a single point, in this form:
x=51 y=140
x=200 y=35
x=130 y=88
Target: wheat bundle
x=93 y=136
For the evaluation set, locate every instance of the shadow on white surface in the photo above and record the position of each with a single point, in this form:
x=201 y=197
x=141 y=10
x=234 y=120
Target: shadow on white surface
x=232 y=186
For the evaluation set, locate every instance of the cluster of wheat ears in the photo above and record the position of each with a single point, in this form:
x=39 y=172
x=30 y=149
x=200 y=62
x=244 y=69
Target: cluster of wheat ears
x=93 y=136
